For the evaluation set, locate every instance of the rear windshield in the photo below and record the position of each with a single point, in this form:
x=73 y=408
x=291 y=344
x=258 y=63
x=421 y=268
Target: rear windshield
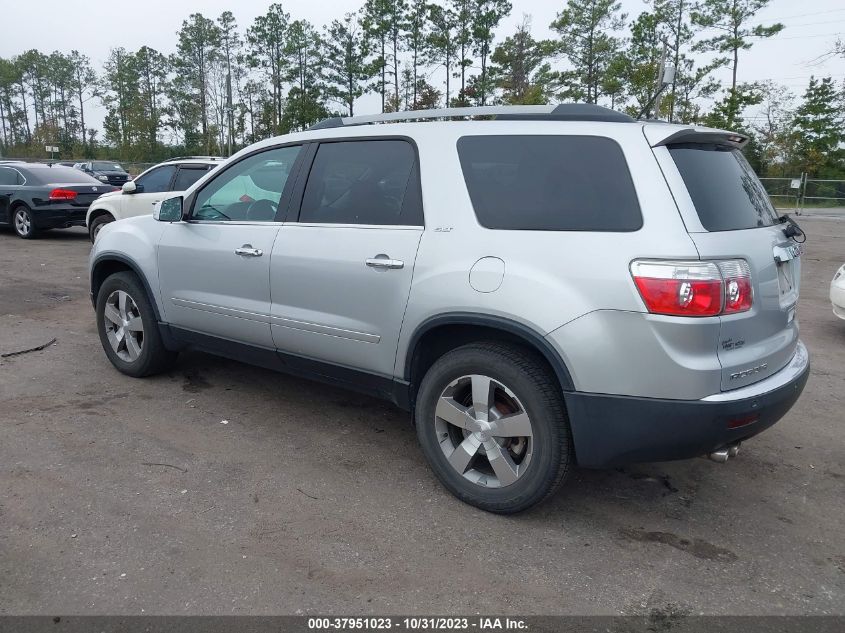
x=549 y=183
x=59 y=175
x=725 y=190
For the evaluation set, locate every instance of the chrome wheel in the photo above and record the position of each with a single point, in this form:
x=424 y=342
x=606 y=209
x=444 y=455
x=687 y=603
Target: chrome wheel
x=484 y=431
x=124 y=327
x=23 y=225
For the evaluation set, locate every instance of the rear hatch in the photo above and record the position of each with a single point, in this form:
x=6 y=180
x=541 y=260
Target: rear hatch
x=729 y=216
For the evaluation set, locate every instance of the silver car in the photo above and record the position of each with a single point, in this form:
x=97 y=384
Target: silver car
x=546 y=287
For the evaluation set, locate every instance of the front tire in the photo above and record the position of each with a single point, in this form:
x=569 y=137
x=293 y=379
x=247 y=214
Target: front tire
x=128 y=328
x=98 y=223
x=492 y=423
x=23 y=223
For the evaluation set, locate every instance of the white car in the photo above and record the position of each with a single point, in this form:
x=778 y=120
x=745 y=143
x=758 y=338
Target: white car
x=837 y=292
x=139 y=196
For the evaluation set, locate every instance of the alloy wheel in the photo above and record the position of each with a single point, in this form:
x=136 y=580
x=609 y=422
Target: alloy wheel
x=23 y=224
x=484 y=431
x=124 y=327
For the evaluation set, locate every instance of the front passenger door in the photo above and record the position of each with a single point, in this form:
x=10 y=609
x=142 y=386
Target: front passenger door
x=152 y=189
x=214 y=269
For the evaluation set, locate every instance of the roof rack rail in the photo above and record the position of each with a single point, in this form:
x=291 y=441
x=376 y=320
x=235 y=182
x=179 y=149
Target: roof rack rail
x=562 y=112
x=170 y=160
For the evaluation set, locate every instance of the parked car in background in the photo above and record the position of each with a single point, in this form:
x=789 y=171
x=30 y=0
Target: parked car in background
x=139 y=196
x=34 y=196
x=837 y=293
x=106 y=172
x=66 y=163
x=562 y=285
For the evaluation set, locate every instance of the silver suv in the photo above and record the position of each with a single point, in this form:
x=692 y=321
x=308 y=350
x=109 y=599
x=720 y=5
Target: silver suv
x=545 y=287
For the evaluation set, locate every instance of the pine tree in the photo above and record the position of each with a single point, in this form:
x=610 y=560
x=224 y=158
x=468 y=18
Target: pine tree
x=520 y=67
x=730 y=18
x=819 y=130
x=586 y=30
x=442 y=44
x=267 y=38
x=345 y=61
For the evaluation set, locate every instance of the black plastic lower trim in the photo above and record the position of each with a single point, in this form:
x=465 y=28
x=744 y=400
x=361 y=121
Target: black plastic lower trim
x=616 y=430
x=384 y=387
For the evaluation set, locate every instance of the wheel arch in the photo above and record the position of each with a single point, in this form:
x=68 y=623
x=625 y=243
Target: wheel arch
x=95 y=213
x=440 y=334
x=107 y=264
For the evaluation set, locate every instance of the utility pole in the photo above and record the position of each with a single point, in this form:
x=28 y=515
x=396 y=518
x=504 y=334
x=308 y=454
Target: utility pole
x=230 y=120
x=661 y=71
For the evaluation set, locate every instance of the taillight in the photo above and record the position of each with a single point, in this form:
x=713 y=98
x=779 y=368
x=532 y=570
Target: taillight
x=62 y=194
x=693 y=288
x=737 y=278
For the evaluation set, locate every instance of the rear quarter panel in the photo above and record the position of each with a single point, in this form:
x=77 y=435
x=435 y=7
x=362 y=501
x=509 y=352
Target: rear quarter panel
x=551 y=277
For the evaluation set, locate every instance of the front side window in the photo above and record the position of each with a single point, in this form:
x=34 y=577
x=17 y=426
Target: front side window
x=249 y=190
x=363 y=182
x=187 y=176
x=549 y=183
x=156 y=180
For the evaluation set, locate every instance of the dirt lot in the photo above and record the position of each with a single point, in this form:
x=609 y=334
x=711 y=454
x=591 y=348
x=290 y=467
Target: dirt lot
x=315 y=500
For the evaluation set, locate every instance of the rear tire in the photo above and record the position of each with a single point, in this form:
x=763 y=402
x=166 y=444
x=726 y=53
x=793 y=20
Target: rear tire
x=98 y=223
x=128 y=327
x=515 y=453
x=23 y=223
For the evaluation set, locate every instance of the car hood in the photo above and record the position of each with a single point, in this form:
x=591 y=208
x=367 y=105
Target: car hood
x=109 y=172
x=111 y=194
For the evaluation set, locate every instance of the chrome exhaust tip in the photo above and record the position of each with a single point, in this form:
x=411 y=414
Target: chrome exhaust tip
x=733 y=449
x=721 y=456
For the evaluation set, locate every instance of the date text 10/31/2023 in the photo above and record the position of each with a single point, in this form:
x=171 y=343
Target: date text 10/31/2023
x=420 y=623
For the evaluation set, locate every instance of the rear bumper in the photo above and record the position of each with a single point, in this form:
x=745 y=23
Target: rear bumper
x=614 y=430
x=59 y=216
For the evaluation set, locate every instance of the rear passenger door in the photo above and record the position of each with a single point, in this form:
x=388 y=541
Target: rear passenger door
x=188 y=175
x=341 y=271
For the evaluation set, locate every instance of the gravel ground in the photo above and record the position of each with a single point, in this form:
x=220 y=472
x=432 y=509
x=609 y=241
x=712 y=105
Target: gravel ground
x=225 y=489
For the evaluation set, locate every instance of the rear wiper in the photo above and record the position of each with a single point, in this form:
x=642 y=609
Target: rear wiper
x=792 y=230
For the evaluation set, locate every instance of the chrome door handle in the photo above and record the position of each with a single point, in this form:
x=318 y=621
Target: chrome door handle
x=248 y=251
x=384 y=262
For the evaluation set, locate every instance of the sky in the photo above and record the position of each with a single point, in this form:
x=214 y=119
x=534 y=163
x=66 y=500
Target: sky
x=95 y=26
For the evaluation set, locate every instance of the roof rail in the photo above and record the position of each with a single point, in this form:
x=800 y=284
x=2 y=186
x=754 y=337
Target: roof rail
x=562 y=112
x=170 y=160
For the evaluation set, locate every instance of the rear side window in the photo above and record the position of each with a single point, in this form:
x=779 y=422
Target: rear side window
x=157 y=180
x=725 y=190
x=188 y=176
x=363 y=182
x=8 y=176
x=549 y=183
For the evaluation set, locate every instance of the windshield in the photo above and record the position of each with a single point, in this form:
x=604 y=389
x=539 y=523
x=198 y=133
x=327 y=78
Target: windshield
x=726 y=192
x=104 y=166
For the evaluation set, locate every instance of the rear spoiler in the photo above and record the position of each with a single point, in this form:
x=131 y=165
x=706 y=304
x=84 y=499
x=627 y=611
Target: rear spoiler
x=704 y=135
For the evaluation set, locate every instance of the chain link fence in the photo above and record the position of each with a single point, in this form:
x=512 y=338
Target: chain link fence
x=802 y=194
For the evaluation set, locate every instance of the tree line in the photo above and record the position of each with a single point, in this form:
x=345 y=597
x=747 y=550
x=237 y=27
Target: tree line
x=226 y=86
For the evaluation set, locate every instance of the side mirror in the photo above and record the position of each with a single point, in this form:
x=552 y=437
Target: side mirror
x=129 y=186
x=169 y=210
